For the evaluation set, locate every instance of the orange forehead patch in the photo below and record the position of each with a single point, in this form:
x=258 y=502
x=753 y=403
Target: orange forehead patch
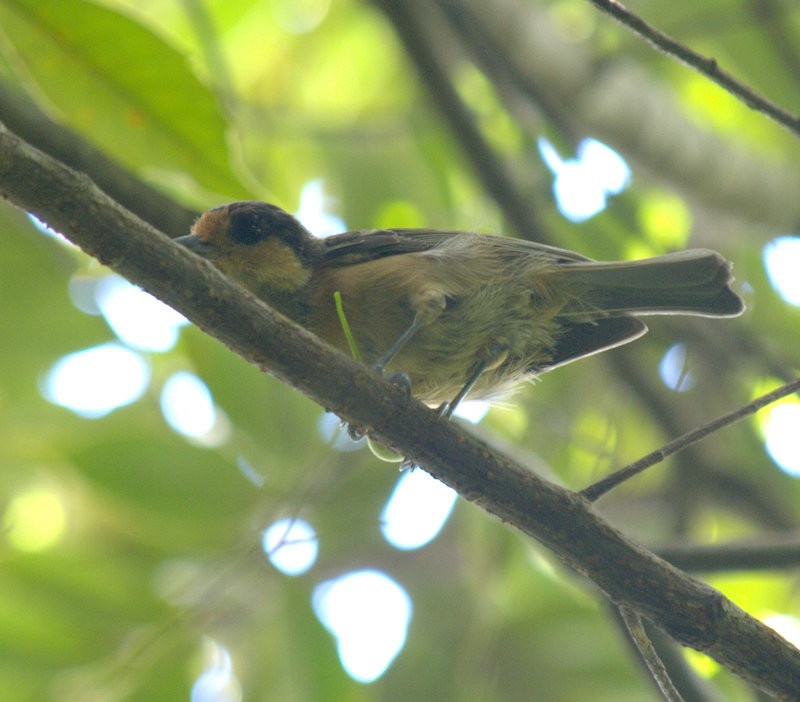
x=212 y=226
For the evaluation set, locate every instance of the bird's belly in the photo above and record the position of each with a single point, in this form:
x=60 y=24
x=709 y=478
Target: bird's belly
x=494 y=322
x=441 y=356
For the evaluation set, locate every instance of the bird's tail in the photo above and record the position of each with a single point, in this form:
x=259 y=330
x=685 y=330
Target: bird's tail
x=695 y=282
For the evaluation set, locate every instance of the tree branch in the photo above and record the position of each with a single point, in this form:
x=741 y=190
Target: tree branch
x=601 y=487
x=707 y=66
x=695 y=471
x=615 y=101
x=690 y=611
x=767 y=552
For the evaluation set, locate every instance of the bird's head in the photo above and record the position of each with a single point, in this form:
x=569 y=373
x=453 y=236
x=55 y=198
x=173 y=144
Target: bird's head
x=255 y=243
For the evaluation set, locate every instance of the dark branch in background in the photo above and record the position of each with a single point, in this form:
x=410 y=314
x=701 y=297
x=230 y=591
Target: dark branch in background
x=417 y=25
x=208 y=40
x=707 y=66
x=690 y=611
x=778 y=552
x=601 y=487
x=23 y=117
x=778 y=26
x=520 y=93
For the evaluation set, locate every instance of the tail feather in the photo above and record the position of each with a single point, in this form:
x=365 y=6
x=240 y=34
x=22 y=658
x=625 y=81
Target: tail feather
x=687 y=282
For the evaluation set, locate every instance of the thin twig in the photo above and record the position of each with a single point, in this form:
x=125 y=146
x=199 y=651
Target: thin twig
x=764 y=503
x=635 y=627
x=601 y=487
x=707 y=66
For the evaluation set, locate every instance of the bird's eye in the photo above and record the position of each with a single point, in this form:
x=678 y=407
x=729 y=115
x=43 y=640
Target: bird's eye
x=246 y=228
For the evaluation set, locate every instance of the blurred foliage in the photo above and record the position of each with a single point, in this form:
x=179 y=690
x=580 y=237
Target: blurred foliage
x=160 y=547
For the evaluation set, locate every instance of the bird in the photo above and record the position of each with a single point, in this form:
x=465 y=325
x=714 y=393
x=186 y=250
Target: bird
x=457 y=315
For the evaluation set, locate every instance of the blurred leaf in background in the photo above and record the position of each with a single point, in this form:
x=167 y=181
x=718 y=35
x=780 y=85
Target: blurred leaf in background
x=177 y=525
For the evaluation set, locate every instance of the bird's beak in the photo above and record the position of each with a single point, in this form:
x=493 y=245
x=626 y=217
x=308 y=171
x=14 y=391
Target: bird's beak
x=195 y=244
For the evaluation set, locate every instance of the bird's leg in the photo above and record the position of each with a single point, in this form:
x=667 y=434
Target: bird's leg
x=398 y=345
x=427 y=304
x=494 y=354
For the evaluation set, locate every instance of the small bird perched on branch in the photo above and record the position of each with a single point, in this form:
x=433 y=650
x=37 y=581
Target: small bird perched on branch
x=458 y=314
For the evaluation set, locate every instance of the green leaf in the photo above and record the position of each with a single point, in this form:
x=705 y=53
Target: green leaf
x=122 y=86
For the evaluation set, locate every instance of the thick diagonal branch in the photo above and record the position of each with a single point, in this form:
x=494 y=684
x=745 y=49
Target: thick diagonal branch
x=691 y=612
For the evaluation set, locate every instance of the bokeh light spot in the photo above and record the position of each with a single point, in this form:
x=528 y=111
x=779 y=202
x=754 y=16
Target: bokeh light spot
x=781 y=428
x=333 y=432
x=313 y=212
x=35 y=520
x=473 y=411
x=291 y=545
x=417 y=510
x=368 y=613
x=787 y=625
x=217 y=682
x=782 y=261
x=136 y=317
x=47 y=230
x=674 y=371
x=582 y=184
x=189 y=409
x=98 y=380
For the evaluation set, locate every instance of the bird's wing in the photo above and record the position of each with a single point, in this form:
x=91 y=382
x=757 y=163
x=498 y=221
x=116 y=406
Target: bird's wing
x=368 y=245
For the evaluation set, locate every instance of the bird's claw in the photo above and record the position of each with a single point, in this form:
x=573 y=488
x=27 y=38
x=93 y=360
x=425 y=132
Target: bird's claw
x=401 y=380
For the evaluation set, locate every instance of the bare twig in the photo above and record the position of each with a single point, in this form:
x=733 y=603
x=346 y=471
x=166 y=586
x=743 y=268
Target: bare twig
x=601 y=487
x=692 y=687
x=707 y=66
x=712 y=480
x=635 y=627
